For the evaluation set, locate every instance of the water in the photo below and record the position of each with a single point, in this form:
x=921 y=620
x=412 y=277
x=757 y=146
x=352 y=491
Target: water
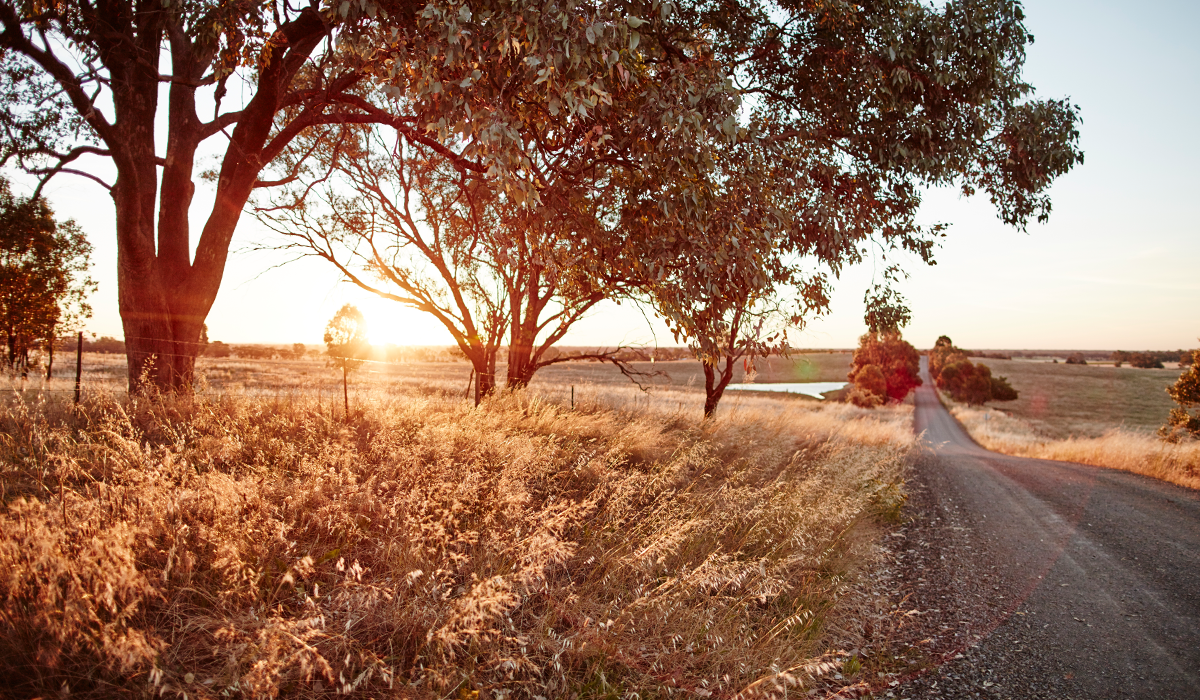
x=813 y=389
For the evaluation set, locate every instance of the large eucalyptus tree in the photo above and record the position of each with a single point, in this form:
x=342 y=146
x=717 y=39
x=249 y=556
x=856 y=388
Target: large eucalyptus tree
x=84 y=81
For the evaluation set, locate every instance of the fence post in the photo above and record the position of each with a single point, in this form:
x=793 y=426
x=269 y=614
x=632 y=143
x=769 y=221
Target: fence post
x=78 y=365
x=572 y=397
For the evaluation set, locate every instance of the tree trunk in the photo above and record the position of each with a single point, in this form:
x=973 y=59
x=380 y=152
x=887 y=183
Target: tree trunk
x=485 y=378
x=714 y=386
x=50 y=359
x=345 y=392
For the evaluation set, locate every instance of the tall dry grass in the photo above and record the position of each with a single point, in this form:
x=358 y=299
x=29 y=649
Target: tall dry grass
x=258 y=548
x=1116 y=449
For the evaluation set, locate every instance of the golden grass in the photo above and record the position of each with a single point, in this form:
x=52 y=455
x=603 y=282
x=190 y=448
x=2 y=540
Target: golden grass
x=1117 y=448
x=258 y=547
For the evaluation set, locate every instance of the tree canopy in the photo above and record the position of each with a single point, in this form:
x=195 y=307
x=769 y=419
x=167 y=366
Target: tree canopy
x=966 y=381
x=1186 y=393
x=617 y=110
x=885 y=356
x=44 y=283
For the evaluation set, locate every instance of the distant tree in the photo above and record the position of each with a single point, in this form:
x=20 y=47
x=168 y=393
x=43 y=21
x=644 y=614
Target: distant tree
x=942 y=350
x=897 y=361
x=1002 y=390
x=105 y=344
x=868 y=388
x=43 y=278
x=1186 y=359
x=346 y=343
x=963 y=380
x=1076 y=358
x=1145 y=360
x=217 y=349
x=1185 y=392
x=298 y=350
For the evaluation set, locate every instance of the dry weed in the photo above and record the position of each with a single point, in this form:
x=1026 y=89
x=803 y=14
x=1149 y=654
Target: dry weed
x=247 y=547
x=1116 y=449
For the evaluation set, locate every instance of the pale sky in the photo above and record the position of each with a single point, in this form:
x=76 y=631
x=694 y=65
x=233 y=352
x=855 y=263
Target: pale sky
x=1116 y=267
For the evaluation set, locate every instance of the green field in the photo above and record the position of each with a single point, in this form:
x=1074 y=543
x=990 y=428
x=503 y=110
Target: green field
x=1062 y=400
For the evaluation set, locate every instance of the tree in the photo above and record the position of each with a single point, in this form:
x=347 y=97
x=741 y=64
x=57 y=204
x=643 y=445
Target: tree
x=964 y=380
x=346 y=343
x=1186 y=393
x=1076 y=358
x=859 y=106
x=217 y=348
x=896 y=361
x=1145 y=360
x=418 y=233
x=44 y=283
x=298 y=350
x=83 y=82
x=486 y=257
x=868 y=387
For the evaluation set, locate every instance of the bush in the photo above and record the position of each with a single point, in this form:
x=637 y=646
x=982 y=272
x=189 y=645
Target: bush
x=964 y=380
x=1145 y=360
x=1076 y=358
x=869 y=387
x=1002 y=390
x=886 y=366
x=105 y=344
x=1186 y=392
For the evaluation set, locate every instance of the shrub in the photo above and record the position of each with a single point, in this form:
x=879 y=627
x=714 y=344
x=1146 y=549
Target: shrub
x=1186 y=392
x=963 y=380
x=1145 y=360
x=870 y=387
x=890 y=359
x=1076 y=358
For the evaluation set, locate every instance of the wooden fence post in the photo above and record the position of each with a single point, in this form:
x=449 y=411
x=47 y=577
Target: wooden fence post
x=78 y=366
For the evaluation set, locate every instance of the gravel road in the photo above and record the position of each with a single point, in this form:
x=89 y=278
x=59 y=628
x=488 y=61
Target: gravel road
x=1036 y=579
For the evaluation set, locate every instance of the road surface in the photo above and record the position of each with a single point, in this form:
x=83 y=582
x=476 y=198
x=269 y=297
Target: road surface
x=1047 y=579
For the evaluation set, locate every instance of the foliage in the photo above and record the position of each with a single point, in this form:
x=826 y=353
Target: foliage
x=890 y=359
x=868 y=387
x=105 y=344
x=970 y=383
x=1076 y=358
x=1186 y=393
x=1145 y=360
x=1148 y=359
x=1002 y=390
x=345 y=339
x=257 y=548
x=217 y=349
x=43 y=277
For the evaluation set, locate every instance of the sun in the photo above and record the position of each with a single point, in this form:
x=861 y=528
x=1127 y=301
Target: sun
x=390 y=322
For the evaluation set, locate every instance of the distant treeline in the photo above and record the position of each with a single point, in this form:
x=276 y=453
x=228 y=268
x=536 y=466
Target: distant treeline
x=1152 y=358
x=1146 y=358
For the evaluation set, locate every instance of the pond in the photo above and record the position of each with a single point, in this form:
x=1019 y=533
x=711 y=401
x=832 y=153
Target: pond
x=813 y=389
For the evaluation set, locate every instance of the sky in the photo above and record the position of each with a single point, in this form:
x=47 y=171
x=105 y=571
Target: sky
x=1116 y=267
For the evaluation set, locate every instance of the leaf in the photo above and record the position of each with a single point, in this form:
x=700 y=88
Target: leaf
x=591 y=35
x=344 y=8
x=634 y=22
x=634 y=40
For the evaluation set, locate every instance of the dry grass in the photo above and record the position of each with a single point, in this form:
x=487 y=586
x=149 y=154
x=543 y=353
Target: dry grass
x=1118 y=448
x=258 y=547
